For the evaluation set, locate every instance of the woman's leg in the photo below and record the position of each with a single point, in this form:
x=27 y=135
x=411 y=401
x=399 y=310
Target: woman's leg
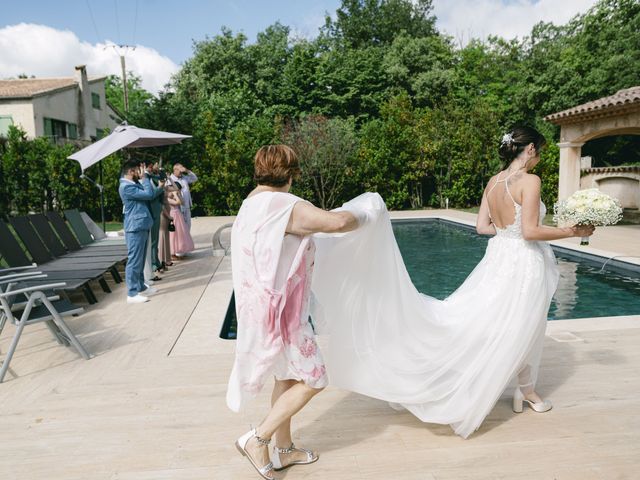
x=526 y=384
x=282 y=436
x=289 y=402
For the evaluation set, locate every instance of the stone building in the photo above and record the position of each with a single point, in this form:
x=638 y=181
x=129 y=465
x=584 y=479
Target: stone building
x=618 y=114
x=63 y=109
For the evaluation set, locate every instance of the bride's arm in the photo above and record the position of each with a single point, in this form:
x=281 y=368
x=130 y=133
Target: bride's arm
x=531 y=228
x=307 y=219
x=484 y=225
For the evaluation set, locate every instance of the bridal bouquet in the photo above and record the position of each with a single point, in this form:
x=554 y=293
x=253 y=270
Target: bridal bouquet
x=588 y=207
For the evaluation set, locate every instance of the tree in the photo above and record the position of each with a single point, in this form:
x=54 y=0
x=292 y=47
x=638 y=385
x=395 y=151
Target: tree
x=139 y=98
x=423 y=66
x=389 y=157
x=362 y=23
x=326 y=149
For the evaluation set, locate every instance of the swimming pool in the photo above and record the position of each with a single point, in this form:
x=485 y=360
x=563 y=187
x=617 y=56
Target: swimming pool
x=439 y=255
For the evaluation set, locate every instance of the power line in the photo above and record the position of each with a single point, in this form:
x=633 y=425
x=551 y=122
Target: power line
x=135 y=24
x=93 y=21
x=115 y=4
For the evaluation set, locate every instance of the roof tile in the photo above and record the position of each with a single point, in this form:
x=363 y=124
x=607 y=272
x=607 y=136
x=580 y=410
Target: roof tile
x=30 y=87
x=619 y=100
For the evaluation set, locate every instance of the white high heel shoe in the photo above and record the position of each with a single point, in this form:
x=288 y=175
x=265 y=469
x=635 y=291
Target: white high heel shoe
x=241 y=445
x=519 y=400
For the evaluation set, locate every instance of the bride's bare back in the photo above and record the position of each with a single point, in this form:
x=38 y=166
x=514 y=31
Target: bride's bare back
x=503 y=190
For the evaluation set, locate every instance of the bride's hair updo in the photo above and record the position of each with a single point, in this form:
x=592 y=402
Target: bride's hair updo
x=516 y=140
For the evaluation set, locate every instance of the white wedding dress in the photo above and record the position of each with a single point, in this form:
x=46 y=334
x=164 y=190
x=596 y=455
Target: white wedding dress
x=446 y=361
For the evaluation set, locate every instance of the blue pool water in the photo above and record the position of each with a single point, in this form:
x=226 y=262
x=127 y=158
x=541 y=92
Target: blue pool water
x=439 y=256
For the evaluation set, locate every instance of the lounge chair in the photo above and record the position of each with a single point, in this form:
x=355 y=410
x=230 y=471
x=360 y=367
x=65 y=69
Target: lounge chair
x=15 y=257
x=74 y=218
x=43 y=257
x=37 y=308
x=71 y=242
x=54 y=245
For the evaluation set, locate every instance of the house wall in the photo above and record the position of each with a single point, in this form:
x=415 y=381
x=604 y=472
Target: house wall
x=21 y=112
x=63 y=105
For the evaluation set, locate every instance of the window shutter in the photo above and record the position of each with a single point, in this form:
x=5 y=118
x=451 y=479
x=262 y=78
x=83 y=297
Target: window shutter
x=5 y=123
x=48 y=127
x=73 y=131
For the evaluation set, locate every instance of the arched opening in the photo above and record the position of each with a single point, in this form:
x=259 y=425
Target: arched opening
x=613 y=151
x=600 y=147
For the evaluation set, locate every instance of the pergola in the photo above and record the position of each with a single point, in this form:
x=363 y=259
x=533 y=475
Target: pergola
x=618 y=114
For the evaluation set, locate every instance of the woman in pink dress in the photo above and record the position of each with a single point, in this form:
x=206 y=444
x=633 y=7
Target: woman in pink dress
x=181 y=241
x=272 y=256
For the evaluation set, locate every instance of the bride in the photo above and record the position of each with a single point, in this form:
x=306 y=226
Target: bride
x=446 y=361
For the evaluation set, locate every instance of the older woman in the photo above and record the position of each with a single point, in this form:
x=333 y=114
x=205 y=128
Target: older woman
x=272 y=260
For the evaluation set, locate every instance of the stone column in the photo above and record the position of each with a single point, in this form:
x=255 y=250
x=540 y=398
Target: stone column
x=569 y=175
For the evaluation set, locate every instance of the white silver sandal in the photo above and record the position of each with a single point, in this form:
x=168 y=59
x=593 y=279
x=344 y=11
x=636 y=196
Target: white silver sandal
x=241 y=445
x=275 y=453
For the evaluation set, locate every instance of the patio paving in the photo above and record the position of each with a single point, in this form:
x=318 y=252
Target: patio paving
x=151 y=404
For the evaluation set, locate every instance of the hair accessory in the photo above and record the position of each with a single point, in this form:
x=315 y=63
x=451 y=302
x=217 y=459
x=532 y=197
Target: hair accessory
x=507 y=139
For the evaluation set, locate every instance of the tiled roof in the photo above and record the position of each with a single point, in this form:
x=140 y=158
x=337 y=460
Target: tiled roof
x=628 y=99
x=32 y=87
x=620 y=169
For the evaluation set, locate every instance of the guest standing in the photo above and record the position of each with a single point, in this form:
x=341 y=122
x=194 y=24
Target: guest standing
x=181 y=241
x=155 y=205
x=164 y=241
x=136 y=191
x=186 y=178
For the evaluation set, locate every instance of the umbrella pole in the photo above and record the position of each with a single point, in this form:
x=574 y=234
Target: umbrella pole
x=104 y=226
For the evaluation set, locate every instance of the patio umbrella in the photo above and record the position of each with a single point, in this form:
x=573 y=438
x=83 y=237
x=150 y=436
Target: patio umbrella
x=124 y=136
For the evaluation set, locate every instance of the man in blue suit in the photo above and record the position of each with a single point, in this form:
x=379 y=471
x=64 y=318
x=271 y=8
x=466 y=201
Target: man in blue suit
x=136 y=191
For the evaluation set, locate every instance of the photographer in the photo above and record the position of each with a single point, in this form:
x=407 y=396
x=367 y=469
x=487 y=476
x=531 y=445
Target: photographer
x=136 y=191
x=158 y=178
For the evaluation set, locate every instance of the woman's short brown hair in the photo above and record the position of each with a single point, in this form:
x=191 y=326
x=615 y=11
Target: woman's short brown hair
x=275 y=165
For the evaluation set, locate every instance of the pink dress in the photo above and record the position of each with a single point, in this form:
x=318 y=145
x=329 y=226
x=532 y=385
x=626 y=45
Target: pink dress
x=181 y=241
x=271 y=278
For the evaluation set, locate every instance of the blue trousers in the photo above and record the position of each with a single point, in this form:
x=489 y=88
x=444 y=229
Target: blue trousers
x=136 y=251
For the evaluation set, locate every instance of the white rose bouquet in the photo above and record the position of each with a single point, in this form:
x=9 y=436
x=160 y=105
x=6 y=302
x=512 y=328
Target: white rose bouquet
x=588 y=207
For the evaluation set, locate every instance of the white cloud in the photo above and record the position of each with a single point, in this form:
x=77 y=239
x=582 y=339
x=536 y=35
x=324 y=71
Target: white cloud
x=46 y=52
x=309 y=26
x=466 y=19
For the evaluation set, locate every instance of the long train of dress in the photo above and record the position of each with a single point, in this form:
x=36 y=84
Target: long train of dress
x=447 y=361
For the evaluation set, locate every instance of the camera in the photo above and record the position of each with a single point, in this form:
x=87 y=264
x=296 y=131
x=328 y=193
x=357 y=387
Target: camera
x=162 y=174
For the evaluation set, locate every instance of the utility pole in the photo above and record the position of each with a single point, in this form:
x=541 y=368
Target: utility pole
x=125 y=91
x=121 y=50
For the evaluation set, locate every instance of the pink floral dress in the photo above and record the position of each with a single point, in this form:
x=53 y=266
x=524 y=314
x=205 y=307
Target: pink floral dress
x=272 y=273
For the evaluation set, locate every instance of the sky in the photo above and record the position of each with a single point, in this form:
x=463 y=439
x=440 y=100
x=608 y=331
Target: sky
x=48 y=39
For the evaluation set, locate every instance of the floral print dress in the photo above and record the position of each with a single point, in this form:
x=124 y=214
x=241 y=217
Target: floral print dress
x=272 y=273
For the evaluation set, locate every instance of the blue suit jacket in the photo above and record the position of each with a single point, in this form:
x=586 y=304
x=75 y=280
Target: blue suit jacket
x=135 y=199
